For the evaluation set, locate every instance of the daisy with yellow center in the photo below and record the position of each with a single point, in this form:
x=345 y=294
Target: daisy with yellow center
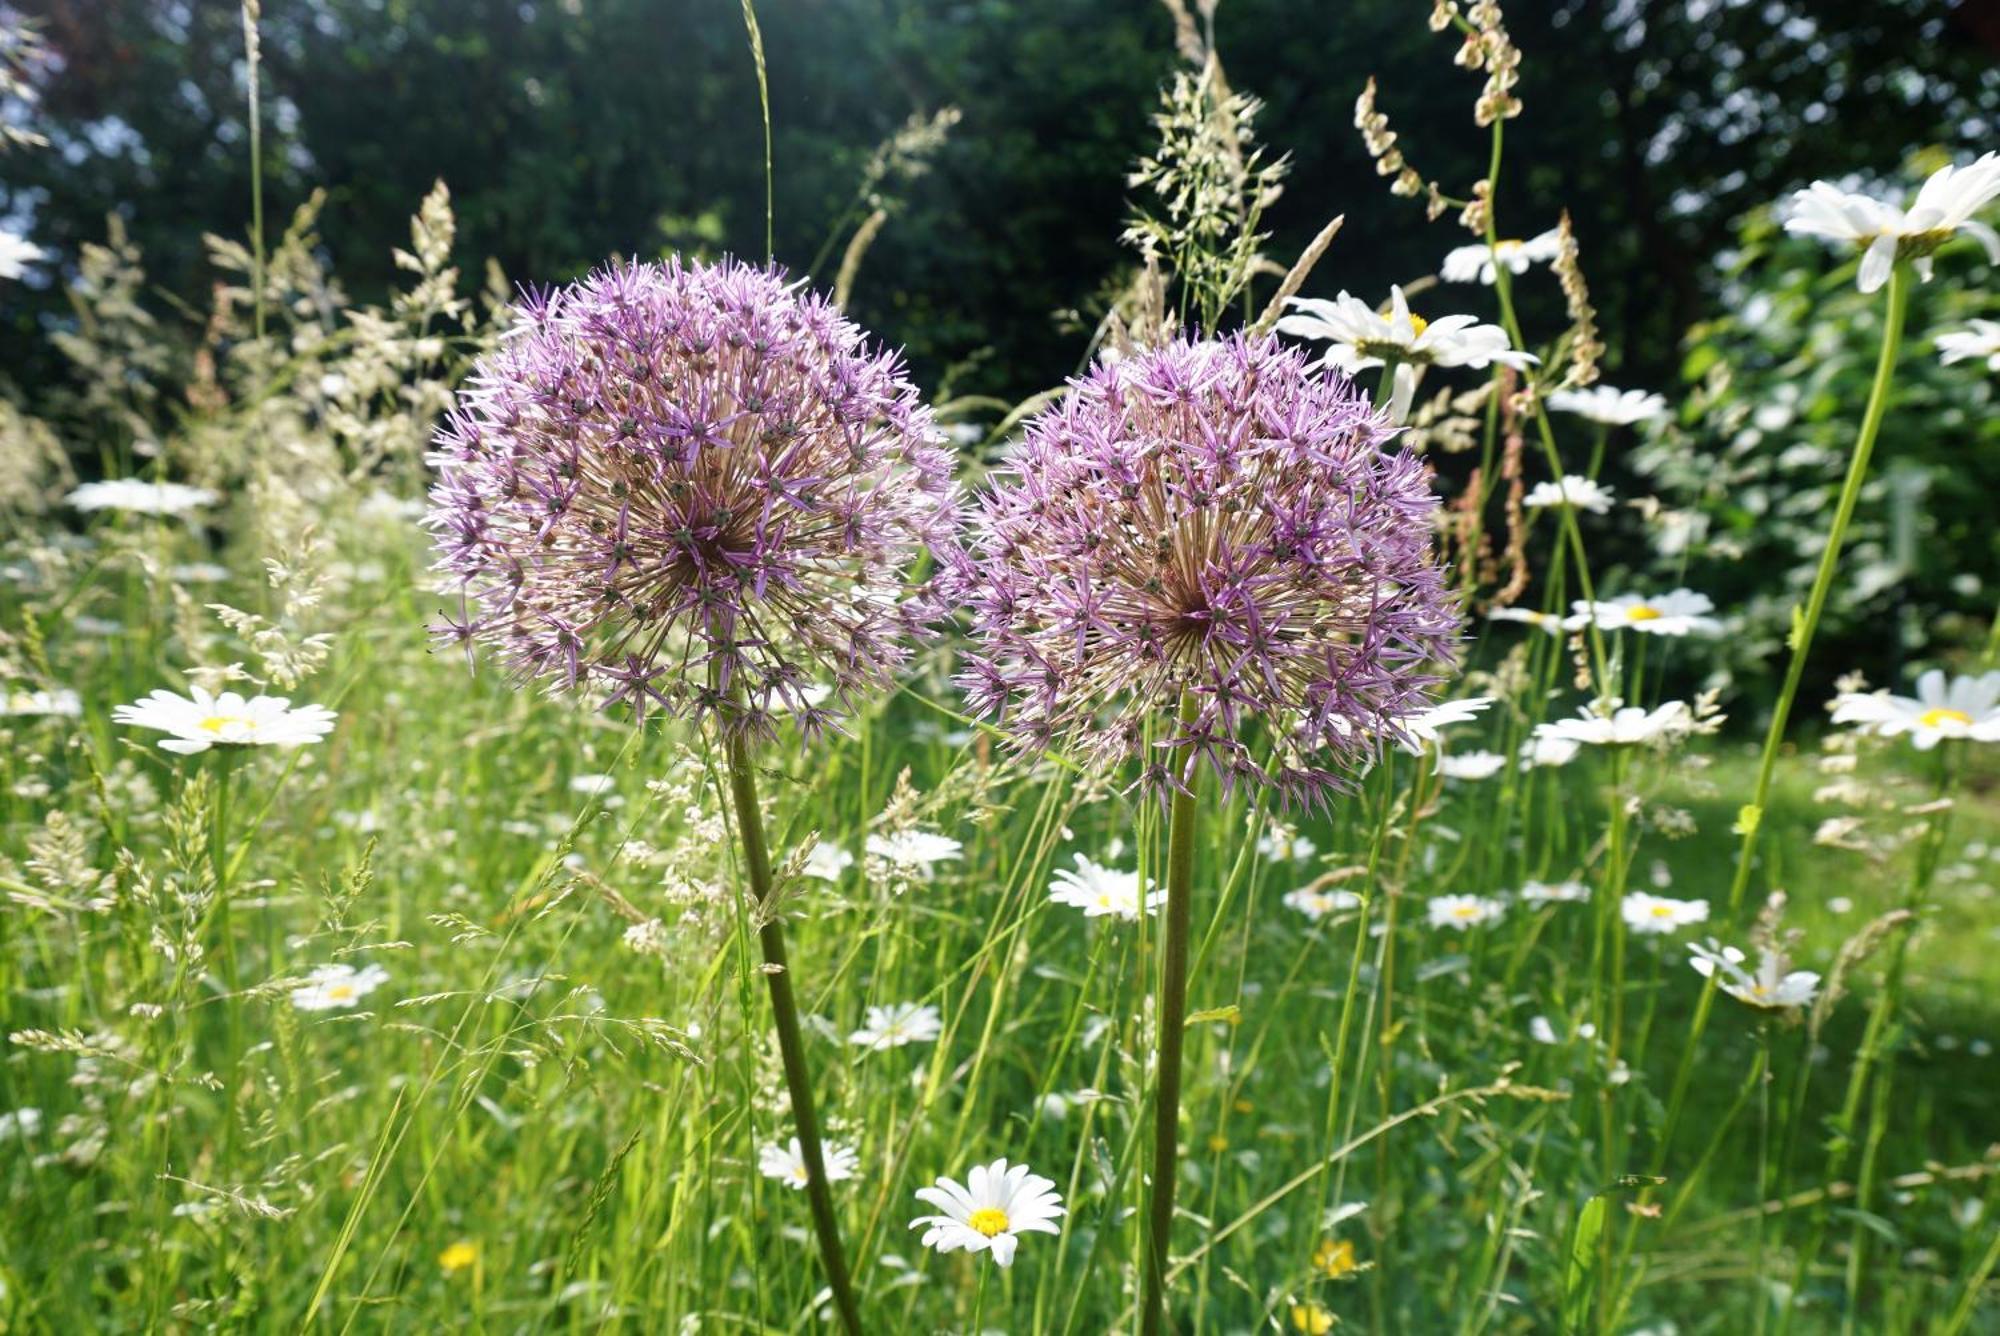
x=1464 y=911
x=787 y=1163
x=1681 y=612
x=998 y=1203
x=1774 y=987
x=1481 y=263
x=201 y=720
x=338 y=987
x=1102 y=892
x=1943 y=710
x=1360 y=336
x=1657 y=914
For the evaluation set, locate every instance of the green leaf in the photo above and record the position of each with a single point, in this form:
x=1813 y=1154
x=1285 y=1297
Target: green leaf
x=1580 y=1281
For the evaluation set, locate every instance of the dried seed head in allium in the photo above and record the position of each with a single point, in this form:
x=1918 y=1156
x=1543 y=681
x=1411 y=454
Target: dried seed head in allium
x=694 y=487
x=1208 y=518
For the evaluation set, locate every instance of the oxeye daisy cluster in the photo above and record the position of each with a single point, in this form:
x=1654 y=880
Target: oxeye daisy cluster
x=1206 y=540
x=694 y=487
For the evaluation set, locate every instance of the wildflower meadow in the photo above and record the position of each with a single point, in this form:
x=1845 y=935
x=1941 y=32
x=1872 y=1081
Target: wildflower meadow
x=617 y=796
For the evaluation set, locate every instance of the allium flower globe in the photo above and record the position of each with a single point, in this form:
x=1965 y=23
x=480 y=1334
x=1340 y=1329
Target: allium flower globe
x=696 y=487
x=1208 y=519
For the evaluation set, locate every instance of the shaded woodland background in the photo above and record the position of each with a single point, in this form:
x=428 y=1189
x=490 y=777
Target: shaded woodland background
x=575 y=129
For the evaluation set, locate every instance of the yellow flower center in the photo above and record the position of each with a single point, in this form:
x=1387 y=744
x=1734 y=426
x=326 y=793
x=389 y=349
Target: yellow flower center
x=341 y=992
x=1507 y=246
x=1759 y=990
x=1465 y=911
x=1104 y=900
x=1643 y=612
x=1940 y=717
x=458 y=1256
x=799 y=1172
x=1663 y=911
x=988 y=1220
x=1418 y=325
x=215 y=723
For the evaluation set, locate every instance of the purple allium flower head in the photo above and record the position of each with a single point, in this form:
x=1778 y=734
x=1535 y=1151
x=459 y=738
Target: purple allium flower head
x=695 y=487
x=1208 y=518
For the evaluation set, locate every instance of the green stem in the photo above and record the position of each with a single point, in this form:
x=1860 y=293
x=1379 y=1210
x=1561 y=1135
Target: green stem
x=756 y=36
x=791 y=1043
x=1752 y=818
x=1829 y=565
x=1172 y=1022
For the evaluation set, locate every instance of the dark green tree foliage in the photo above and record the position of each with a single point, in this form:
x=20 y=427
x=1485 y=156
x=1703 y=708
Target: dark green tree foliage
x=570 y=130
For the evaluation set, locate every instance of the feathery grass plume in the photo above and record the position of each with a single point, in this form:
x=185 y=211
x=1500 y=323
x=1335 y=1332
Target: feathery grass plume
x=1213 y=185
x=696 y=487
x=1204 y=559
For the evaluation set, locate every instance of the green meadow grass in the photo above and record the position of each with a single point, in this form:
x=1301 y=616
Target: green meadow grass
x=534 y=1126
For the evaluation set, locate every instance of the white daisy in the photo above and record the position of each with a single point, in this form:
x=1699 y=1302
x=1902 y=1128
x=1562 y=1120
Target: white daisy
x=1543 y=1031
x=913 y=850
x=1647 y=913
x=1102 y=891
x=1613 y=408
x=1547 y=621
x=1540 y=750
x=827 y=861
x=1463 y=264
x=996 y=1206
x=1359 y=337
x=1772 y=987
x=1574 y=490
x=1981 y=340
x=141 y=498
x=1630 y=726
x=1962 y=707
x=1282 y=844
x=1471 y=765
x=1463 y=911
x=1317 y=905
x=1677 y=613
x=333 y=987
x=16 y=254
x=199 y=721
x=787 y=1163
x=61 y=701
x=895 y=1025
x=1944 y=205
x=20 y=1123
x=1554 y=892
x=1423 y=726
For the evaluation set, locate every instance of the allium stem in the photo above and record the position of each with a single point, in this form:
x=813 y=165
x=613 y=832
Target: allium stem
x=1172 y=1020
x=791 y=1043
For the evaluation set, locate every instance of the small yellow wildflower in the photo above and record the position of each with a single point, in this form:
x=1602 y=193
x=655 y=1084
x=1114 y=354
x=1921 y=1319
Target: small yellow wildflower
x=1334 y=1259
x=1312 y=1319
x=458 y=1256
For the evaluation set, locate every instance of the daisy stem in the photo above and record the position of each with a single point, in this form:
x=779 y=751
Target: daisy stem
x=791 y=1043
x=1750 y=821
x=1172 y=1021
x=1829 y=563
